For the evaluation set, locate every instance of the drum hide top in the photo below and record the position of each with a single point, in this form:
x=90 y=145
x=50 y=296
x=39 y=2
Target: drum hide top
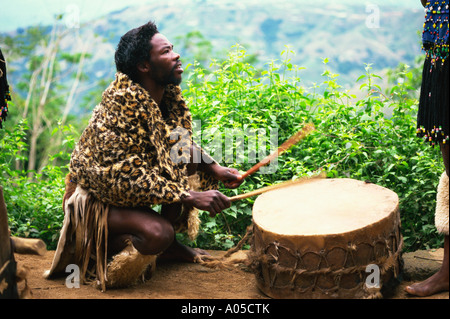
x=323 y=207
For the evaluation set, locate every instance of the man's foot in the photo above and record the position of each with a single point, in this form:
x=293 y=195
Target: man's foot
x=183 y=253
x=433 y=285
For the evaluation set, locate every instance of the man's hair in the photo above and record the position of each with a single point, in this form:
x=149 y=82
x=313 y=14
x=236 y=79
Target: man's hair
x=134 y=47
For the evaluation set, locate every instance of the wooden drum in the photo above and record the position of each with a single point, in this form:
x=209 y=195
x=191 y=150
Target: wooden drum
x=326 y=238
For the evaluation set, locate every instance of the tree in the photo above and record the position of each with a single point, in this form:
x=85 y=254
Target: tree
x=50 y=84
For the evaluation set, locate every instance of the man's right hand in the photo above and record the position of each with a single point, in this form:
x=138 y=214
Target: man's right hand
x=211 y=201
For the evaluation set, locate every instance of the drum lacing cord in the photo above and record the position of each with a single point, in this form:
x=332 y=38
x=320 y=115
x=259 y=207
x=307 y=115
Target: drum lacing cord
x=271 y=260
x=387 y=262
x=224 y=262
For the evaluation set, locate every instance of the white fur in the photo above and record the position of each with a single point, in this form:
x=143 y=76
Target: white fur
x=128 y=266
x=441 y=215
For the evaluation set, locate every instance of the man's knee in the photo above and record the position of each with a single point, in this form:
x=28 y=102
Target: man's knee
x=158 y=236
x=150 y=232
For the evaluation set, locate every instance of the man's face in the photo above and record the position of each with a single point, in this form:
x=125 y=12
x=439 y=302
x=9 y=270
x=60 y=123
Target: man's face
x=164 y=62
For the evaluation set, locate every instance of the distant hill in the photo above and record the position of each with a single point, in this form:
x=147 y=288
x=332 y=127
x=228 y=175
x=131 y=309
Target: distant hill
x=348 y=33
x=345 y=32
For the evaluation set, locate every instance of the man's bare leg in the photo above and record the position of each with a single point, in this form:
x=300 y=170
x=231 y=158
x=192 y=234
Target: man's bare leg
x=177 y=251
x=149 y=232
x=182 y=253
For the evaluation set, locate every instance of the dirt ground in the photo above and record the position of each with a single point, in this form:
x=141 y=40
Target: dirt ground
x=194 y=281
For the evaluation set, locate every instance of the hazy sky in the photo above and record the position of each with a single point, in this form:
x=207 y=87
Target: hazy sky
x=23 y=13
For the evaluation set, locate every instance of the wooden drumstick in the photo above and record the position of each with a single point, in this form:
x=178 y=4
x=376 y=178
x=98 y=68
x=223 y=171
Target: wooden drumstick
x=276 y=186
x=294 y=139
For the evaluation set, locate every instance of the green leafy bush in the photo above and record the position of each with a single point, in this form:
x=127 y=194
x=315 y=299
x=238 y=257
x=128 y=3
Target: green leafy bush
x=34 y=200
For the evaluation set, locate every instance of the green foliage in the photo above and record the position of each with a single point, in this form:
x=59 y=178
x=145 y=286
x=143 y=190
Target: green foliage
x=34 y=205
x=370 y=138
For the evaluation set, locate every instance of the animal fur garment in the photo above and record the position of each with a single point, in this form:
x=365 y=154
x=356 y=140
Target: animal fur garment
x=192 y=220
x=83 y=238
x=442 y=206
x=128 y=267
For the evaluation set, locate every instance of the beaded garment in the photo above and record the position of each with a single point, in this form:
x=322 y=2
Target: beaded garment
x=4 y=90
x=432 y=120
x=435 y=33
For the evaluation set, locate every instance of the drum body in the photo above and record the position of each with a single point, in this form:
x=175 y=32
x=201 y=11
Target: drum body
x=328 y=238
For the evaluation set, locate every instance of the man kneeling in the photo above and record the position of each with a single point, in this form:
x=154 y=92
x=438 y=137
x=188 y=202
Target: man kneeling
x=122 y=166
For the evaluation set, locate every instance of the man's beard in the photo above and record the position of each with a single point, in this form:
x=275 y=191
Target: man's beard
x=165 y=79
x=172 y=79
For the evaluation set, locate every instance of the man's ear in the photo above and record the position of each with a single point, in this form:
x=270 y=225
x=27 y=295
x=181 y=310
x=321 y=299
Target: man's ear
x=143 y=67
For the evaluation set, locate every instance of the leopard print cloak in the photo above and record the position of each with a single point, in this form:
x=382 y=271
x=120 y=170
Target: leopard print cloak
x=123 y=156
